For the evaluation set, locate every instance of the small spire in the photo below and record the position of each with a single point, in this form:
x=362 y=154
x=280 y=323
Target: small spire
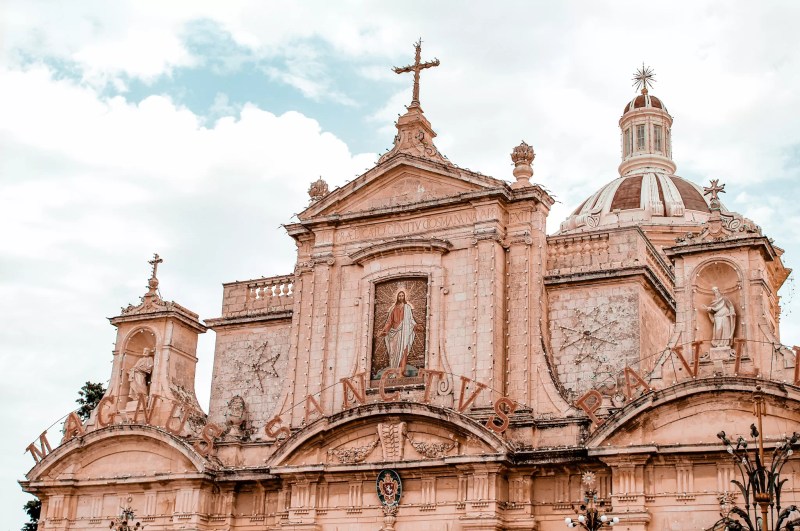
x=643 y=78
x=152 y=284
x=522 y=156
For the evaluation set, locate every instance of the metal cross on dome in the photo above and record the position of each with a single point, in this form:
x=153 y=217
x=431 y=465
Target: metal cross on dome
x=643 y=78
x=417 y=67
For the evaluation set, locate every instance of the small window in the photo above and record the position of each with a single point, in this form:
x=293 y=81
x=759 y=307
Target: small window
x=658 y=143
x=640 y=137
x=628 y=142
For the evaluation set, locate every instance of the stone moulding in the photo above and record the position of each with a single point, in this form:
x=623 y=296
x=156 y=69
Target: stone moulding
x=401 y=246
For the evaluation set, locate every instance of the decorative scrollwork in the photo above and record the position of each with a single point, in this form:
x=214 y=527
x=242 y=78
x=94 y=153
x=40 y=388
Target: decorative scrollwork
x=358 y=454
x=432 y=450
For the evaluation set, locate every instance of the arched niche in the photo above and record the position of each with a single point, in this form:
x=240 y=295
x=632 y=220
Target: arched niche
x=135 y=344
x=725 y=276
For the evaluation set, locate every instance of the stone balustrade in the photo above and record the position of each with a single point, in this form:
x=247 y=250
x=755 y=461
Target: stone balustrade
x=258 y=296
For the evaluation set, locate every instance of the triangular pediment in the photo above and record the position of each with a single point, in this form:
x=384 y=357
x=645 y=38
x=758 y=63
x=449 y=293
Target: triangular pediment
x=401 y=180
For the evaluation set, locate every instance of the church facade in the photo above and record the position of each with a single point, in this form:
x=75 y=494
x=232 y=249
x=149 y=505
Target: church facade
x=436 y=361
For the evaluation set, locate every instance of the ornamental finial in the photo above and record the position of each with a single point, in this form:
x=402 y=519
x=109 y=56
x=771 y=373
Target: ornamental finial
x=522 y=156
x=644 y=78
x=318 y=190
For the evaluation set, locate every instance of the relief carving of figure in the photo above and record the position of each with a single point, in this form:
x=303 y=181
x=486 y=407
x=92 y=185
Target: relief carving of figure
x=398 y=334
x=723 y=315
x=139 y=375
x=236 y=417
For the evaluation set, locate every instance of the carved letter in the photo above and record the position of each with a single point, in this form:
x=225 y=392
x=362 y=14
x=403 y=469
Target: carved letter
x=207 y=435
x=102 y=421
x=431 y=377
x=637 y=382
x=464 y=404
x=678 y=350
x=359 y=394
x=171 y=417
x=312 y=402
x=502 y=415
x=73 y=427
x=40 y=453
x=582 y=403
x=737 y=366
x=382 y=385
x=141 y=407
x=271 y=430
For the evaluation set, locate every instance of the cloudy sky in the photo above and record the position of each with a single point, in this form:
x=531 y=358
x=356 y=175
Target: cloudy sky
x=194 y=129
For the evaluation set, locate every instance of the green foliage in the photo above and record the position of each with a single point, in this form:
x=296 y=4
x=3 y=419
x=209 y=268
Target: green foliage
x=89 y=396
x=33 y=508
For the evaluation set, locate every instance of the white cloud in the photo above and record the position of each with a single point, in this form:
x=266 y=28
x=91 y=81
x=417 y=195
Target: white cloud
x=92 y=186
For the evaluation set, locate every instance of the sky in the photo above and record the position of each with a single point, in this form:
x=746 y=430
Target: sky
x=193 y=129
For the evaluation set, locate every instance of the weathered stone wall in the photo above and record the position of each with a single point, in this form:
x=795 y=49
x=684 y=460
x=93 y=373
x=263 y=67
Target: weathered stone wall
x=594 y=333
x=250 y=361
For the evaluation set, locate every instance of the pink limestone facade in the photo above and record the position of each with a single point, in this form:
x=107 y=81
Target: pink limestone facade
x=432 y=327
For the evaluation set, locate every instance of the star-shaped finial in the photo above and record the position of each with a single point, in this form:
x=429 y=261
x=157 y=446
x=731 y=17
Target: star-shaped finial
x=643 y=78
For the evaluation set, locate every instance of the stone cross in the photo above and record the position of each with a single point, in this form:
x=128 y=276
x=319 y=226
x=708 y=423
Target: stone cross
x=714 y=189
x=154 y=262
x=417 y=67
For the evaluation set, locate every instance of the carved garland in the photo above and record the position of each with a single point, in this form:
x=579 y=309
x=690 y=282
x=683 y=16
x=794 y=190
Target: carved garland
x=431 y=450
x=358 y=454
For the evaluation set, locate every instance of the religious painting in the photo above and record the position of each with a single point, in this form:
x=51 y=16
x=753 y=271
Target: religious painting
x=399 y=328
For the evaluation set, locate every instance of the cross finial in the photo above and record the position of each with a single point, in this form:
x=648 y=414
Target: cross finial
x=715 y=189
x=643 y=78
x=417 y=67
x=154 y=262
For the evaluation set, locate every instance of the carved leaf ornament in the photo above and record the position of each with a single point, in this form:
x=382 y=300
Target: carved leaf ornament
x=390 y=487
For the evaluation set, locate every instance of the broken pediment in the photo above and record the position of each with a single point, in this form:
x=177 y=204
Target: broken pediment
x=403 y=180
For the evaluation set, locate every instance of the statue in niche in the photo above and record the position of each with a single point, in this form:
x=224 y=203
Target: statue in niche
x=139 y=374
x=723 y=315
x=236 y=418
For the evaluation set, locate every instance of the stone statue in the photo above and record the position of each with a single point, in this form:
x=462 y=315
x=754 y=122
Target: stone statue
x=139 y=374
x=723 y=315
x=236 y=417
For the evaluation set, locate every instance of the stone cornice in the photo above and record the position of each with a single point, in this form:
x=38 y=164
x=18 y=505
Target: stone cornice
x=400 y=246
x=760 y=242
x=171 y=313
x=618 y=273
x=218 y=323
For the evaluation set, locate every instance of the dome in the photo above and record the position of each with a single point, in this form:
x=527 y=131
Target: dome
x=643 y=101
x=646 y=197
